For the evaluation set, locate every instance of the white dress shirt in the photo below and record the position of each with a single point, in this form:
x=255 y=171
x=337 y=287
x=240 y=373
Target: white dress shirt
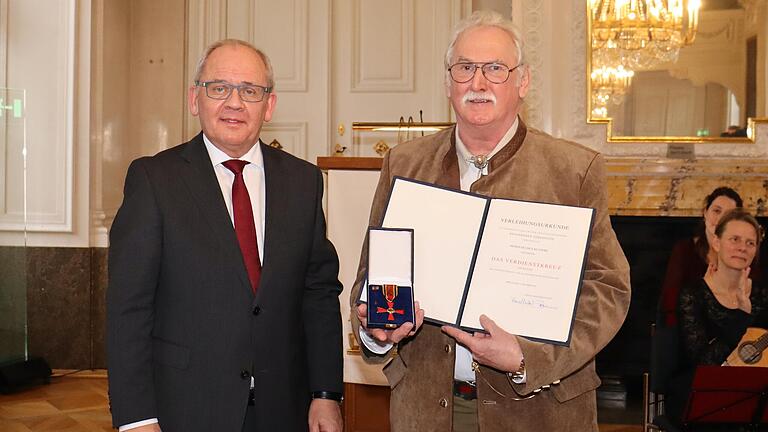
x=468 y=174
x=253 y=175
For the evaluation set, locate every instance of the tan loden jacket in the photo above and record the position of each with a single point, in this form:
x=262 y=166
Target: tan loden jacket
x=559 y=394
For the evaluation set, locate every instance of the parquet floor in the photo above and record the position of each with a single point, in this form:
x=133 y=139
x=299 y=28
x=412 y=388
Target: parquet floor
x=73 y=403
x=78 y=403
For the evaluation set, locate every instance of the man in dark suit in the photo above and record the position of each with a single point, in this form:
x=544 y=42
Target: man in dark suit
x=223 y=311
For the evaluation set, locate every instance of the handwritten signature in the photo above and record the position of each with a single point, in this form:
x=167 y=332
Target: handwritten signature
x=533 y=303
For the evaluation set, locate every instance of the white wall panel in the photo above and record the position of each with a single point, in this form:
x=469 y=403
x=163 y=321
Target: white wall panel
x=206 y=23
x=7 y=182
x=138 y=94
x=40 y=59
x=383 y=46
x=47 y=54
x=295 y=36
x=292 y=136
x=3 y=40
x=281 y=29
x=388 y=64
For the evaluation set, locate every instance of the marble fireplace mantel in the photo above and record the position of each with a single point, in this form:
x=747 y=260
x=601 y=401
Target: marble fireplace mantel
x=677 y=187
x=652 y=186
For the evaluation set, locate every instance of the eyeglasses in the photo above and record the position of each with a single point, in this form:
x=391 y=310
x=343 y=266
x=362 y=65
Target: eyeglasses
x=496 y=73
x=222 y=90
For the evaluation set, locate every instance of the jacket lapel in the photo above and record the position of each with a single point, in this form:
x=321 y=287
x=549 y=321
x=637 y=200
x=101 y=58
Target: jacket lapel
x=203 y=185
x=449 y=175
x=276 y=203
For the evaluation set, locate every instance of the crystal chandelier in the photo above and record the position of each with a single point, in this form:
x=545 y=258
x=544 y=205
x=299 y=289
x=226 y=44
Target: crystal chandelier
x=599 y=112
x=610 y=84
x=640 y=34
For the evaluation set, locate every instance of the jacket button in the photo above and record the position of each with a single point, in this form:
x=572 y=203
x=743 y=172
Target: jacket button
x=447 y=348
x=244 y=374
x=256 y=310
x=444 y=402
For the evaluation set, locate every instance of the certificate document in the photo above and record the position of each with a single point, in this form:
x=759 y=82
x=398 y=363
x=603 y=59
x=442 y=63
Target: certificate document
x=520 y=263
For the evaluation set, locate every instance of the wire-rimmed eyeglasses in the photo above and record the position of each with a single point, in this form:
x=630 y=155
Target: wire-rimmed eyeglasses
x=497 y=73
x=221 y=90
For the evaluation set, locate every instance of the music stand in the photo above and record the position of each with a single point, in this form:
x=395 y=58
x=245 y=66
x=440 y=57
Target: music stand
x=734 y=395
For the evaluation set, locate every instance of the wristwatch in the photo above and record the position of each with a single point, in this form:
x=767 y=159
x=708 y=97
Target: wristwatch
x=338 y=397
x=519 y=374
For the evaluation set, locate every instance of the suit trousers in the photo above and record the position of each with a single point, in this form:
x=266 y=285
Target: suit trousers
x=249 y=423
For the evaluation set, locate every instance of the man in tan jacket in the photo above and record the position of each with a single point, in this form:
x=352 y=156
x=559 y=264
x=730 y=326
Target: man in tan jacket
x=445 y=379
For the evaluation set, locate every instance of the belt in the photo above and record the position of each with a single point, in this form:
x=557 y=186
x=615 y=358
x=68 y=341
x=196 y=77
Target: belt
x=464 y=390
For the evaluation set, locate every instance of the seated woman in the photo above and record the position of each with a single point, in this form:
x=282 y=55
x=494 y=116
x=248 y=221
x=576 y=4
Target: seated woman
x=715 y=311
x=689 y=258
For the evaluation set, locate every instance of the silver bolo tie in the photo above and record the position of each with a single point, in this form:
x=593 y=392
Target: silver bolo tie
x=480 y=162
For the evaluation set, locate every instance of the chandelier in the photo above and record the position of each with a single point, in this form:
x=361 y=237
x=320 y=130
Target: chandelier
x=599 y=112
x=610 y=84
x=640 y=34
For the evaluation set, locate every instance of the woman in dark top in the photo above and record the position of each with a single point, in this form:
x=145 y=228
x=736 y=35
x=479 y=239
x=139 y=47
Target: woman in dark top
x=715 y=311
x=689 y=258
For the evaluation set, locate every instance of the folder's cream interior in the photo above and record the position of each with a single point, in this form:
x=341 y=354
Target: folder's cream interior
x=446 y=225
x=528 y=268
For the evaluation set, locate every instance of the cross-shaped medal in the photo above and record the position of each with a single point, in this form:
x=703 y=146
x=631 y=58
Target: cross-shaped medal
x=390 y=292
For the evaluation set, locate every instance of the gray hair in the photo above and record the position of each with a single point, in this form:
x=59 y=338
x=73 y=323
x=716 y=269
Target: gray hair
x=486 y=18
x=235 y=43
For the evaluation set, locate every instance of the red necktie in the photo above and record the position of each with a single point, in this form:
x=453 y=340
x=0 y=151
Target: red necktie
x=244 y=225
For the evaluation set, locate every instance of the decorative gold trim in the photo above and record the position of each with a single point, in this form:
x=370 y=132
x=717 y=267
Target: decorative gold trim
x=338 y=150
x=400 y=126
x=751 y=121
x=749 y=139
x=354 y=348
x=381 y=147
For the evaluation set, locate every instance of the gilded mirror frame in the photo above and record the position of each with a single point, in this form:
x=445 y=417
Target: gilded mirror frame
x=751 y=121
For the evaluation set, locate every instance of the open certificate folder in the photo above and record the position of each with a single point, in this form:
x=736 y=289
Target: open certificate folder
x=520 y=263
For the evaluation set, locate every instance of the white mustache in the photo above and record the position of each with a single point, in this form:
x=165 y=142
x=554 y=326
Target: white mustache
x=470 y=95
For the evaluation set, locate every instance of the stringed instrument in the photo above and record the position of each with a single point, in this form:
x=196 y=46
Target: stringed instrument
x=749 y=352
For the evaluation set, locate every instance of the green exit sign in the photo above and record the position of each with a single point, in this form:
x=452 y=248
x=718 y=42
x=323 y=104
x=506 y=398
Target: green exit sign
x=14 y=108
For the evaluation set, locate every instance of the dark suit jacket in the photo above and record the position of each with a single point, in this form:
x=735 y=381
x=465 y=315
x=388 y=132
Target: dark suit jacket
x=184 y=329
